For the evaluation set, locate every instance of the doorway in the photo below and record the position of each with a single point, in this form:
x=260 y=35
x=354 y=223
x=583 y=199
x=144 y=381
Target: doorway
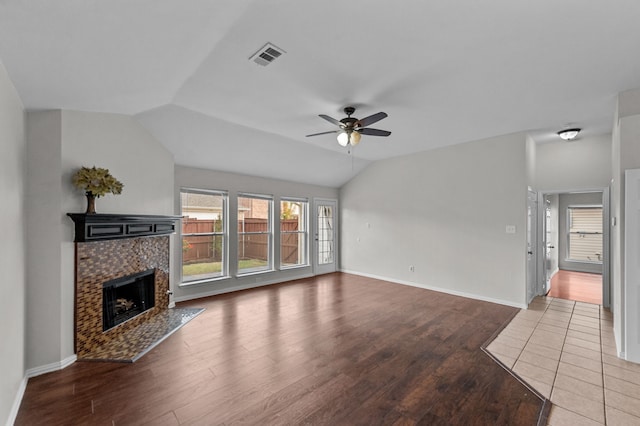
x=575 y=241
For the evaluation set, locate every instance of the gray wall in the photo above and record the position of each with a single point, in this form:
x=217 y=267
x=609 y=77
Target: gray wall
x=189 y=177
x=445 y=212
x=12 y=248
x=584 y=163
x=58 y=143
x=568 y=200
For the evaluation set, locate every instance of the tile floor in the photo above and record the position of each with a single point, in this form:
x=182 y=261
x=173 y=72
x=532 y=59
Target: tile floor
x=566 y=351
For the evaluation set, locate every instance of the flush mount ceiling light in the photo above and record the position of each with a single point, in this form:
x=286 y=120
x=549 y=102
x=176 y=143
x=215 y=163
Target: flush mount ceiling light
x=568 y=134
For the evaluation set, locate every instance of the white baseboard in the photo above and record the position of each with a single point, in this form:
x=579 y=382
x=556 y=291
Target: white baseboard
x=16 y=402
x=33 y=372
x=54 y=366
x=247 y=286
x=439 y=289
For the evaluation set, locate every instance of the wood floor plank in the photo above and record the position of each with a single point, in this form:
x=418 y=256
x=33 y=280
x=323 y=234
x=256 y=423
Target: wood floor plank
x=578 y=286
x=334 y=349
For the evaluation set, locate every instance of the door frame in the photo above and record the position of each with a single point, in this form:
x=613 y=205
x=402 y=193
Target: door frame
x=533 y=284
x=606 y=238
x=325 y=268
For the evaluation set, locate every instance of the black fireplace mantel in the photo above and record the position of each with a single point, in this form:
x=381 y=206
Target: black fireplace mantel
x=96 y=227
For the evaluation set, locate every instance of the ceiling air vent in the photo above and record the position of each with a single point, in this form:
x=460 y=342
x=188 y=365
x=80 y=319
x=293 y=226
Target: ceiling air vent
x=267 y=54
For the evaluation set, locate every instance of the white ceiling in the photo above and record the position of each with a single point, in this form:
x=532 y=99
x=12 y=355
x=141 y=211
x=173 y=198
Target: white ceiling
x=446 y=72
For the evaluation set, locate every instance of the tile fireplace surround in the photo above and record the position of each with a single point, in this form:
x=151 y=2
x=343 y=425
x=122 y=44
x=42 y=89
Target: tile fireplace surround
x=101 y=261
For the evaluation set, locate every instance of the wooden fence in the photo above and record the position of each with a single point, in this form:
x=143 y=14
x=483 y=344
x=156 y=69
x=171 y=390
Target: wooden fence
x=208 y=248
x=201 y=248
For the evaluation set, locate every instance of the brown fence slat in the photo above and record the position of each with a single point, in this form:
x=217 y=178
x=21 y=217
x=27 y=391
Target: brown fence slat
x=200 y=249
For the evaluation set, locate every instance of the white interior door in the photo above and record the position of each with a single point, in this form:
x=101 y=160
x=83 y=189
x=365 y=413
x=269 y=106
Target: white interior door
x=631 y=277
x=606 y=249
x=550 y=242
x=532 y=265
x=325 y=238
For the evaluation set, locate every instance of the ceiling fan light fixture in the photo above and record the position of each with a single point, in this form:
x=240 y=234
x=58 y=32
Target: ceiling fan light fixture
x=349 y=137
x=352 y=129
x=355 y=138
x=569 y=134
x=343 y=138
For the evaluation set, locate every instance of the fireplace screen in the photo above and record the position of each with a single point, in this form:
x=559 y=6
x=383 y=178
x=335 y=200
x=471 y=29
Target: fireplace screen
x=126 y=297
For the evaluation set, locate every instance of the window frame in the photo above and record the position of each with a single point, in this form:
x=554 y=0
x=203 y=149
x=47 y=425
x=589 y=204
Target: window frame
x=570 y=209
x=224 y=232
x=305 y=232
x=269 y=233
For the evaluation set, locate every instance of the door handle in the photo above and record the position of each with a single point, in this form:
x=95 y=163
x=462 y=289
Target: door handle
x=529 y=252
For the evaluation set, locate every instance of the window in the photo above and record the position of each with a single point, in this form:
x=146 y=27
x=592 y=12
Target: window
x=204 y=234
x=585 y=234
x=293 y=232
x=255 y=233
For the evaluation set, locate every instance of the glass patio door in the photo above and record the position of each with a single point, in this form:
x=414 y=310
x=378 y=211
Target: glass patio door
x=325 y=229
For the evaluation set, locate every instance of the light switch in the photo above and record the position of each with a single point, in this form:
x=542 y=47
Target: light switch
x=511 y=229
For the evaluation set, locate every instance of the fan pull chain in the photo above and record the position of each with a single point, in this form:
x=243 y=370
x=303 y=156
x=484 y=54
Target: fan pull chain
x=351 y=154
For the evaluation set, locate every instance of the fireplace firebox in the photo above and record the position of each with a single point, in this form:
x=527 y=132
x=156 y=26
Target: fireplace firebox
x=126 y=297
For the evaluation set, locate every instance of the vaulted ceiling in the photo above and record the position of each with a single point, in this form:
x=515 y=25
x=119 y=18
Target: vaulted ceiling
x=445 y=72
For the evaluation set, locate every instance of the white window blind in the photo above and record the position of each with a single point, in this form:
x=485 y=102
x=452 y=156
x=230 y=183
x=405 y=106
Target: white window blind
x=585 y=234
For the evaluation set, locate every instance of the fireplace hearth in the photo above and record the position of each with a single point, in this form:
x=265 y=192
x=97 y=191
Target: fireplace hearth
x=127 y=297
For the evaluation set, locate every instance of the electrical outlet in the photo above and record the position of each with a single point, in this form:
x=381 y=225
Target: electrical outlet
x=510 y=229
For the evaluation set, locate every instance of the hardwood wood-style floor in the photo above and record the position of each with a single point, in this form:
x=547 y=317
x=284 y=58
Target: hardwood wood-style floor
x=577 y=286
x=334 y=349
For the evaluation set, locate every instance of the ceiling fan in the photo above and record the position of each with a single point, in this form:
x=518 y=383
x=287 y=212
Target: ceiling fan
x=351 y=128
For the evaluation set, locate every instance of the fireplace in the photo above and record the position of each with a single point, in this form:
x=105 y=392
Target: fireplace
x=121 y=277
x=127 y=297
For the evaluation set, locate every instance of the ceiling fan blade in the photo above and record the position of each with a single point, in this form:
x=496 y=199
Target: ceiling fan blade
x=323 y=133
x=364 y=122
x=373 y=132
x=331 y=120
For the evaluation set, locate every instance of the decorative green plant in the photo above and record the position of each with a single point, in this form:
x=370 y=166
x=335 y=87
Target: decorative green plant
x=96 y=181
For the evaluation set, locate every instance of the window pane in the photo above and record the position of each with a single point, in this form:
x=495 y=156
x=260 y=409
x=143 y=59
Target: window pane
x=293 y=233
x=254 y=234
x=585 y=234
x=253 y=252
x=253 y=208
x=585 y=247
x=293 y=249
x=325 y=235
x=202 y=257
x=203 y=254
x=585 y=219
